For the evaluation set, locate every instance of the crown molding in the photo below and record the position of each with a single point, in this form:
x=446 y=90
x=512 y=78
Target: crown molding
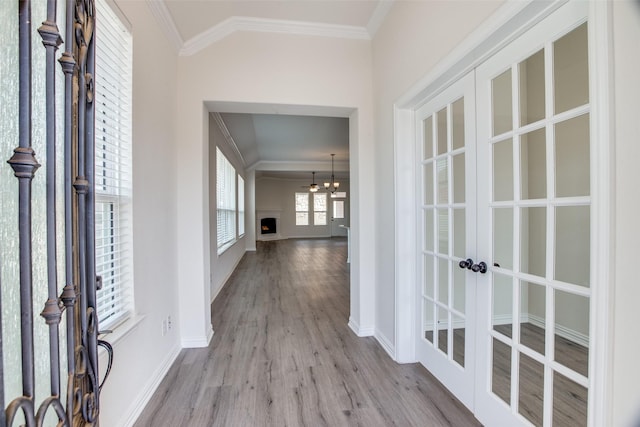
x=227 y=135
x=378 y=16
x=164 y=18
x=242 y=23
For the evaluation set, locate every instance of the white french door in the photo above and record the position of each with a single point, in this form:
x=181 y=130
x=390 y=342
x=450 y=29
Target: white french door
x=505 y=225
x=446 y=340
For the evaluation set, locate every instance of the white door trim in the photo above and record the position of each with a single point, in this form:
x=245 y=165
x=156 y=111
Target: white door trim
x=511 y=20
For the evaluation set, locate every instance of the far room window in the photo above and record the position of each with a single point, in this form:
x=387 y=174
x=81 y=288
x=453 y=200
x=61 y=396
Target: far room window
x=319 y=209
x=302 y=208
x=338 y=209
x=113 y=184
x=240 y=206
x=225 y=201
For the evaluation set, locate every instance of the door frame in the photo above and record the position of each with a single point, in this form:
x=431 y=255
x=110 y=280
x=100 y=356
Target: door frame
x=508 y=23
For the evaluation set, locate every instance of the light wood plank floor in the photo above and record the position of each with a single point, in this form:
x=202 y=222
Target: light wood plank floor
x=282 y=355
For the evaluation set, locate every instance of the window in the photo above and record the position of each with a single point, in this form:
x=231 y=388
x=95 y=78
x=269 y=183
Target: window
x=302 y=208
x=338 y=209
x=339 y=195
x=240 y=206
x=113 y=214
x=319 y=209
x=225 y=201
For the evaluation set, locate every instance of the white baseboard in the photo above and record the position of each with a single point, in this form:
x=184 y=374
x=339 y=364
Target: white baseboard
x=386 y=344
x=197 y=342
x=563 y=331
x=359 y=330
x=150 y=388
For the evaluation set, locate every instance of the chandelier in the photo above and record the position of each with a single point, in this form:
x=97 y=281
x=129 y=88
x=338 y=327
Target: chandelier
x=333 y=185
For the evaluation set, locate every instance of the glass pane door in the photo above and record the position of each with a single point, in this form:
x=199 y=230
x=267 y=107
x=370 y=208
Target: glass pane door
x=534 y=230
x=447 y=211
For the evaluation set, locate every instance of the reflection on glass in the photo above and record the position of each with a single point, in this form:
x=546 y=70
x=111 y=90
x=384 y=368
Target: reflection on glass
x=532 y=88
x=533 y=240
x=428 y=137
x=458 y=179
x=572 y=331
x=458 y=339
x=459 y=237
x=428 y=184
x=457 y=127
x=443 y=231
x=503 y=170
x=429 y=277
x=572 y=157
x=571 y=70
x=533 y=307
x=503 y=237
x=459 y=288
x=533 y=161
x=501 y=371
x=531 y=390
x=443 y=332
x=443 y=280
x=429 y=234
x=502 y=304
x=428 y=321
x=569 y=402
x=572 y=239
x=502 y=103
x=442 y=131
x=443 y=180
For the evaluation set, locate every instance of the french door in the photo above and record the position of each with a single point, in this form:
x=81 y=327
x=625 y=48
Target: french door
x=447 y=327
x=505 y=283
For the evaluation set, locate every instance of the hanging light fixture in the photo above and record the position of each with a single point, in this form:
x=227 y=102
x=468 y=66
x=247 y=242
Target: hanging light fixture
x=313 y=187
x=333 y=185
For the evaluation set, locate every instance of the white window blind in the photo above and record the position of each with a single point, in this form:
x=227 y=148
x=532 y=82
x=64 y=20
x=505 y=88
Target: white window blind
x=226 y=201
x=302 y=208
x=240 y=206
x=113 y=167
x=319 y=209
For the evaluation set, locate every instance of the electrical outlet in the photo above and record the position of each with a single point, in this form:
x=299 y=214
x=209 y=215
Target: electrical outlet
x=169 y=324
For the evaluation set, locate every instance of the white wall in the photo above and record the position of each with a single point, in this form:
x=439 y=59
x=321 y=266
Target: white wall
x=279 y=195
x=626 y=375
x=411 y=41
x=143 y=355
x=269 y=69
x=222 y=265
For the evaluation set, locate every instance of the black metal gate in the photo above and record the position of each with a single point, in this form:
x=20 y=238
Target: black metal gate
x=78 y=380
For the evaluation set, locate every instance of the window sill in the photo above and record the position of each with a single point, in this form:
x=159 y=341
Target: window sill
x=121 y=330
x=222 y=249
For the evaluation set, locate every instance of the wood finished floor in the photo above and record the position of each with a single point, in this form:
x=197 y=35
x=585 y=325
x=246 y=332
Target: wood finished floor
x=282 y=355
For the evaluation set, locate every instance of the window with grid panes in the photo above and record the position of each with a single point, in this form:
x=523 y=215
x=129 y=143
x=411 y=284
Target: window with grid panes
x=240 y=206
x=319 y=209
x=302 y=208
x=113 y=168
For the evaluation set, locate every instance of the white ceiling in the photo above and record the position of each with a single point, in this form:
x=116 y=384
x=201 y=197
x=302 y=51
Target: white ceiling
x=296 y=139
x=288 y=138
x=192 y=18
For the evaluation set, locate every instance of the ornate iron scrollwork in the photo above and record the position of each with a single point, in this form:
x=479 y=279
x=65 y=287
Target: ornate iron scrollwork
x=78 y=298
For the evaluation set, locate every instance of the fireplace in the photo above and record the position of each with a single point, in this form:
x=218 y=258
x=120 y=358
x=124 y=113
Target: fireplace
x=268 y=226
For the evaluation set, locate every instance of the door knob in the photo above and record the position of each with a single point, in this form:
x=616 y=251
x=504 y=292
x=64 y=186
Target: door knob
x=481 y=267
x=468 y=263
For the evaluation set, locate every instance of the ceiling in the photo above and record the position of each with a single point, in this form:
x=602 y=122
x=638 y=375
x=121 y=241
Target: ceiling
x=279 y=142
x=192 y=18
x=272 y=138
